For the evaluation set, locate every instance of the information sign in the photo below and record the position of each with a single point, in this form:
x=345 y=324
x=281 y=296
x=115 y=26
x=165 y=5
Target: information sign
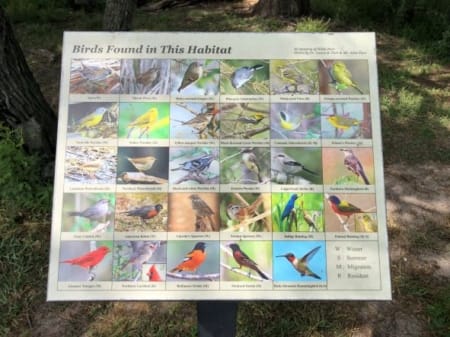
x=219 y=166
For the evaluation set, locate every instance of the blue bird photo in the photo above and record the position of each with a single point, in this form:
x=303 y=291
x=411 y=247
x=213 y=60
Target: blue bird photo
x=289 y=206
x=197 y=165
x=243 y=74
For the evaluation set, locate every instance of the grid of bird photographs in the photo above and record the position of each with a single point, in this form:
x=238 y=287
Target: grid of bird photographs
x=214 y=171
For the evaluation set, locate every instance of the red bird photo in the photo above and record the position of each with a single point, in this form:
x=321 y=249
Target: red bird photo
x=89 y=260
x=80 y=263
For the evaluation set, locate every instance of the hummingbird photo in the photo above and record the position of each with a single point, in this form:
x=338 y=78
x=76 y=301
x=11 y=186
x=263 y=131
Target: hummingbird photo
x=299 y=261
x=301 y=264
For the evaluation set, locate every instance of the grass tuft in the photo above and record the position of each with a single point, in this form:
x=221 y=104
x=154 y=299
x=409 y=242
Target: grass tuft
x=22 y=184
x=311 y=25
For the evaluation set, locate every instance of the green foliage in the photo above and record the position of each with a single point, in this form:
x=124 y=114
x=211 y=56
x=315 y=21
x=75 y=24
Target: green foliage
x=21 y=181
x=35 y=10
x=443 y=45
x=24 y=255
x=425 y=21
x=204 y=20
x=23 y=248
x=311 y=25
x=347 y=180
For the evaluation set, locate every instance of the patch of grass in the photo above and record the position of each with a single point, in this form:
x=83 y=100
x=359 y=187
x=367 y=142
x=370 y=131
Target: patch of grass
x=204 y=19
x=407 y=104
x=429 y=237
x=293 y=318
x=429 y=296
x=35 y=11
x=22 y=185
x=311 y=25
x=27 y=33
x=24 y=203
x=438 y=312
x=156 y=319
x=414 y=97
x=24 y=260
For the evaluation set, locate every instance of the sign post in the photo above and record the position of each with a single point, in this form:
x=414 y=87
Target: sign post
x=216 y=318
x=219 y=167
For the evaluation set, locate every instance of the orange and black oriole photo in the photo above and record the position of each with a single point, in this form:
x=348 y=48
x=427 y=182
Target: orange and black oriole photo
x=193 y=259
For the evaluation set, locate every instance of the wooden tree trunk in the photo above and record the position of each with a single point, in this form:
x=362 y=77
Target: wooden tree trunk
x=289 y=8
x=118 y=15
x=22 y=104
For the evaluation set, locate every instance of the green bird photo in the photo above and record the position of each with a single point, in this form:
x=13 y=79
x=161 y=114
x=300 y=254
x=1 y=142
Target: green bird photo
x=344 y=77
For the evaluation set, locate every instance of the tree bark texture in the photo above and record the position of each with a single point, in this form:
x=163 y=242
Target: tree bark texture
x=22 y=104
x=118 y=15
x=288 y=8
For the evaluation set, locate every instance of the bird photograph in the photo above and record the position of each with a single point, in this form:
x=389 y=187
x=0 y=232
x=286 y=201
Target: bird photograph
x=346 y=121
x=246 y=261
x=297 y=212
x=204 y=215
x=344 y=211
x=145 y=76
x=344 y=77
x=82 y=261
x=296 y=165
x=294 y=77
x=145 y=212
x=245 y=121
x=189 y=260
x=250 y=165
x=193 y=212
x=244 y=74
x=92 y=120
x=131 y=258
x=299 y=261
x=194 y=121
x=348 y=166
x=95 y=76
x=194 y=165
x=244 y=77
x=245 y=212
x=83 y=212
x=366 y=223
x=141 y=212
x=143 y=120
x=142 y=165
x=90 y=165
x=193 y=73
x=244 y=166
x=352 y=163
x=156 y=272
x=312 y=218
x=295 y=120
x=194 y=77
